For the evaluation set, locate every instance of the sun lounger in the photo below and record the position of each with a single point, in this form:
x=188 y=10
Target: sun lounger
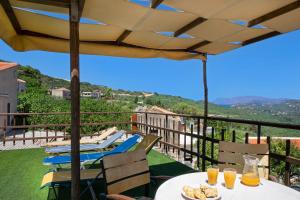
x=52 y=179
x=87 y=147
x=123 y=147
x=85 y=140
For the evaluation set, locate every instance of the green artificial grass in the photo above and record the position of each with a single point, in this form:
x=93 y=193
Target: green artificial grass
x=21 y=173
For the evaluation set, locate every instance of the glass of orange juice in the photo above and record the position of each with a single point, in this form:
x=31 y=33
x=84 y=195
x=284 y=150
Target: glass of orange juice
x=212 y=175
x=229 y=177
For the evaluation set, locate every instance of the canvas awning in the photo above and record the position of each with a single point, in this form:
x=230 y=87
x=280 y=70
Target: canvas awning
x=125 y=28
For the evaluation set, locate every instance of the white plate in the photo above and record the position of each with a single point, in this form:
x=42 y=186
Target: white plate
x=195 y=186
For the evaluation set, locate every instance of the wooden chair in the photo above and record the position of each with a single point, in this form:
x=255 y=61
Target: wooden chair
x=125 y=171
x=231 y=155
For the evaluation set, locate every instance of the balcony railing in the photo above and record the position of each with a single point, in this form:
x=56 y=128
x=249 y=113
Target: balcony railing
x=181 y=134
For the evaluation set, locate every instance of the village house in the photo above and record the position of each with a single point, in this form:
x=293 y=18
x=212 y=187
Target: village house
x=61 y=93
x=95 y=94
x=21 y=85
x=8 y=91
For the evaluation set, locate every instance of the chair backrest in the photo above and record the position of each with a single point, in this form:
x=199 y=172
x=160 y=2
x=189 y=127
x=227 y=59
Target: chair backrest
x=148 y=142
x=125 y=171
x=231 y=155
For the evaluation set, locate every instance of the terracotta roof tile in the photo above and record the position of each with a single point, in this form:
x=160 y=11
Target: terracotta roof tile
x=6 y=65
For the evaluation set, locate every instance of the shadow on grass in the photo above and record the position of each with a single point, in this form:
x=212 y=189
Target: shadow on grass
x=169 y=169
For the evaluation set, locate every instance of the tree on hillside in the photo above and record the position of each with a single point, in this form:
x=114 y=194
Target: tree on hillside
x=107 y=93
x=136 y=99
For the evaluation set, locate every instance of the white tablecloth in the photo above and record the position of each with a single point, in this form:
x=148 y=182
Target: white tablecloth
x=267 y=190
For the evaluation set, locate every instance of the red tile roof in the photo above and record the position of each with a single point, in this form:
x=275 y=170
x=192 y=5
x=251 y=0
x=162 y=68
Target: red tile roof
x=294 y=140
x=6 y=65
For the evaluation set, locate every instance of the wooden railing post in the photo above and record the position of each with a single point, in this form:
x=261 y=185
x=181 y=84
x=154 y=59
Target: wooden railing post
x=4 y=132
x=33 y=135
x=14 y=131
x=223 y=134
x=287 y=164
x=23 y=132
x=246 y=138
x=146 y=122
x=258 y=133
x=233 y=136
x=167 y=133
x=212 y=147
x=47 y=135
x=269 y=157
x=173 y=135
x=160 y=131
x=184 y=143
x=198 y=143
x=192 y=138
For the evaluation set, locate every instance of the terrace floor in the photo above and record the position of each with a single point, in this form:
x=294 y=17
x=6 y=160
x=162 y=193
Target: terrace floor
x=21 y=172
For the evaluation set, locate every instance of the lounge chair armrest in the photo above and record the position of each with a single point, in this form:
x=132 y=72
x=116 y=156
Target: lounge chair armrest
x=161 y=177
x=118 y=197
x=273 y=178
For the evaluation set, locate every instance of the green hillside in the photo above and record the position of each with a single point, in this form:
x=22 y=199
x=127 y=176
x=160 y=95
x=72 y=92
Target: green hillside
x=38 y=83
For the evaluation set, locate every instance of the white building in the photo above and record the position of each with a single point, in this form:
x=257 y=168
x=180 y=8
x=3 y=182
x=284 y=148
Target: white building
x=94 y=94
x=21 y=85
x=61 y=93
x=8 y=91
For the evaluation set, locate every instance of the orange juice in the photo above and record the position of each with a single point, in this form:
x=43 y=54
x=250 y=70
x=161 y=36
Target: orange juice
x=212 y=175
x=229 y=177
x=250 y=179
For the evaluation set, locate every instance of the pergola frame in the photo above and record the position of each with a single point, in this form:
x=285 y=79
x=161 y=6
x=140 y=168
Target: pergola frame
x=75 y=10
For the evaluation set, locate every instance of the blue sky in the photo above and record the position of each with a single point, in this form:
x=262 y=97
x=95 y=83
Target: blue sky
x=270 y=68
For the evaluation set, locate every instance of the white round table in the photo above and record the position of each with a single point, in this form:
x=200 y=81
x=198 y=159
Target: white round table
x=267 y=190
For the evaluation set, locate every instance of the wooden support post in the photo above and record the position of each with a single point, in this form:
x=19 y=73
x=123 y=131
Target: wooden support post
x=205 y=113
x=75 y=98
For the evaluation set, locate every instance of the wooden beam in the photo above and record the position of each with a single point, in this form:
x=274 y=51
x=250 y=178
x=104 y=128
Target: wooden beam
x=11 y=15
x=200 y=44
x=155 y=3
x=123 y=36
x=81 y=6
x=275 y=13
x=189 y=26
x=262 y=37
x=42 y=35
x=75 y=98
x=58 y=3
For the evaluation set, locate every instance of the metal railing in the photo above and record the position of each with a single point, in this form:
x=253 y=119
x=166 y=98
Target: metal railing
x=181 y=134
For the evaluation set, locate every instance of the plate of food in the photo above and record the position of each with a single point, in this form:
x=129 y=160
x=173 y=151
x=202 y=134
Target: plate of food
x=200 y=192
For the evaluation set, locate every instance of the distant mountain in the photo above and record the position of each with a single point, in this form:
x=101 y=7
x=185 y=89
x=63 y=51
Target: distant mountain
x=242 y=100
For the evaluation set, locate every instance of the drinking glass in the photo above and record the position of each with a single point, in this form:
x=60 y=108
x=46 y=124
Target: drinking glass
x=212 y=175
x=229 y=177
